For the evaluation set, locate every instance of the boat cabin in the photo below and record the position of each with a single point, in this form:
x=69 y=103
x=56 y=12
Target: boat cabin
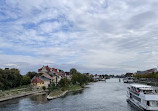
x=143 y=96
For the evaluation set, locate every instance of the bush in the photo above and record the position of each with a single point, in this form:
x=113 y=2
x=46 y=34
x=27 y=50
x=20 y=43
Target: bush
x=44 y=88
x=52 y=87
x=63 y=88
x=64 y=82
x=80 y=79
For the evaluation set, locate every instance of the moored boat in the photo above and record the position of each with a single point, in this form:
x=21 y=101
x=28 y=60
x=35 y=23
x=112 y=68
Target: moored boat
x=143 y=96
x=128 y=80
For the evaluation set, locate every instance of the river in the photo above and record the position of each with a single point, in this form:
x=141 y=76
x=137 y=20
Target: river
x=98 y=96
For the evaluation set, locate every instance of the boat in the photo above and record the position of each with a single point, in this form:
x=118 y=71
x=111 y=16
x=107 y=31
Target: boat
x=128 y=80
x=144 y=97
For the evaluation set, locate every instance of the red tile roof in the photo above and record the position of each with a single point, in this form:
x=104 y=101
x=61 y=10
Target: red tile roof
x=55 y=70
x=61 y=74
x=47 y=68
x=67 y=73
x=37 y=80
x=39 y=69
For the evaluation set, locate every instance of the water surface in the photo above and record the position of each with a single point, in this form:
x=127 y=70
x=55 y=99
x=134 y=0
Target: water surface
x=100 y=96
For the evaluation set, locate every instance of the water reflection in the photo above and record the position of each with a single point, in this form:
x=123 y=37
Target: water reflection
x=76 y=93
x=38 y=99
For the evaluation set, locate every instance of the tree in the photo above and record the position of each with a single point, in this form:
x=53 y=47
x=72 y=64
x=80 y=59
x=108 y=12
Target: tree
x=31 y=74
x=1 y=86
x=44 y=88
x=74 y=78
x=52 y=86
x=26 y=80
x=64 y=82
x=80 y=79
x=73 y=71
x=10 y=78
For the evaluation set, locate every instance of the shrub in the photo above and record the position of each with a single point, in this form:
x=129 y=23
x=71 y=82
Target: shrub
x=52 y=87
x=44 y=88
x=64 y=82
x=63 y=88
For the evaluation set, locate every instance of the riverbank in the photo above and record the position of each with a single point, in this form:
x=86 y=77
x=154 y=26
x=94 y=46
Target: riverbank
x=147 y=81
x=59 y=93
x=99 y=96
x=13 y=94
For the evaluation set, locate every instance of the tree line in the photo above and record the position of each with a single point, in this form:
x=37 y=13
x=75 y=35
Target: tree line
x=11 y=78
x=151 y=75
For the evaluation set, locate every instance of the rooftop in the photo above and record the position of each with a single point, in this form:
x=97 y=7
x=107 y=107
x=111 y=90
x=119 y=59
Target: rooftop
x=37 y=80
x=140 y=86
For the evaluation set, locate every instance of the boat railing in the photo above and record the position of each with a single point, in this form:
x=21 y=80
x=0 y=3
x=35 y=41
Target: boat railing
x=148 y=93
x=136 y=93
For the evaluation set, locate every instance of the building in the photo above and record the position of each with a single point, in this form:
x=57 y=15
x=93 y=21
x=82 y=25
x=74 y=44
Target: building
x=49 y=75
x=149 y=71
x=68 y=75
x=47 y=79
x=37 y=82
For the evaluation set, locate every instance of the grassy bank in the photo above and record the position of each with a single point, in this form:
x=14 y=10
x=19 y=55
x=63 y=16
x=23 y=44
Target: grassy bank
x=74 y=88
x=60 y=91
x=15 y=91
x=55 y=92
x=148 y=83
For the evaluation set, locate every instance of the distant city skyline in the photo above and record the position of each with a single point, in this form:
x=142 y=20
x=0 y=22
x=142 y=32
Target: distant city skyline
x=103 y=36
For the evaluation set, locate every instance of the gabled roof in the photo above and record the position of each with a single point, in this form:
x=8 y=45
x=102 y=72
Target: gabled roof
x=61 y=74
x=37 y=80
x=47 y=68
x=67 y=73
x=55 y=70
x=46 y=76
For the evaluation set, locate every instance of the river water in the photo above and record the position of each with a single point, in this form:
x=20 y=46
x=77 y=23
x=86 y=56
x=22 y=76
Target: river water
x=98 y=96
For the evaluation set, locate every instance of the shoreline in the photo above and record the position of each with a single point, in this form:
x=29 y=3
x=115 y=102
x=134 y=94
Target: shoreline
x=57 y=96
x=63 y=94
x=19 y=96
x=24 y=94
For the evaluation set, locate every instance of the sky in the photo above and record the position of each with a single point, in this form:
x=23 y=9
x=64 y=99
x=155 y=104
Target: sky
x=95 y=36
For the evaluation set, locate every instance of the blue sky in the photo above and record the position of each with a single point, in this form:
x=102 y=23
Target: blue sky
x=103 y=36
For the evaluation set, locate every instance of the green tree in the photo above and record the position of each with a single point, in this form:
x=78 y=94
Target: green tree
x=26 y=80
x=44 y=88
x=64 y=82
x=73 y=71
x=1 y=86
x=52 y=86
x=31 y=74
x=74 y=78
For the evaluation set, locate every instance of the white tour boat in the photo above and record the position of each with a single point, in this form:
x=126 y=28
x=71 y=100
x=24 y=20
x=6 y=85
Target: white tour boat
x=143 y=96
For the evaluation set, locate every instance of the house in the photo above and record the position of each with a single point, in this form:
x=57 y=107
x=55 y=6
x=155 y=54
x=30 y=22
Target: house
x=57 y=75
x=96 y=77
x=49 y=75
x=44 y=69
x=68 y=75
x=46 y=78
x=37 y=82
x=149 y=71
x=128 y=74
x=44 y=75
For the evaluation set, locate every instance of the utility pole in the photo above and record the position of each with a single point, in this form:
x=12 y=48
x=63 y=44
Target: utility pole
x=56 y=80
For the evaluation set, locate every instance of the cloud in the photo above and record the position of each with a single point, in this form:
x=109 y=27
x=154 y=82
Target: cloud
x=104 y=36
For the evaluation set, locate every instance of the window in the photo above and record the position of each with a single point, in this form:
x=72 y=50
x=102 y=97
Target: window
x=148 y=103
